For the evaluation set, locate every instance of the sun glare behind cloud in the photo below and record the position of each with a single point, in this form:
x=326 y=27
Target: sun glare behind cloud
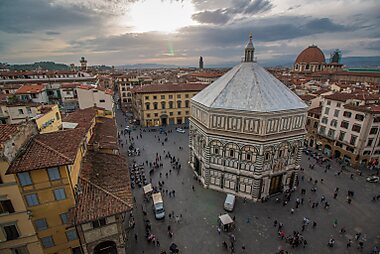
x=160 y=16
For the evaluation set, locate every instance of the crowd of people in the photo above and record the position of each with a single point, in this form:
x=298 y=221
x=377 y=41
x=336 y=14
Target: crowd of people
x=305 y=193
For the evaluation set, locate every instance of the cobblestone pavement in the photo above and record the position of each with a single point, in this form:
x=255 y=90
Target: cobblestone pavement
x=197 y=231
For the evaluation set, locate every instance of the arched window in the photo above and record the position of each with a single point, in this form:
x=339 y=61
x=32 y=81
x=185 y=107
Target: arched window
x=187 y=104
x=170 y=104
x=147 y=106
x=267 y=156
x=249 y=157
x=163 y=105
x=155 y=105
x=179 y=104
x=231 y=153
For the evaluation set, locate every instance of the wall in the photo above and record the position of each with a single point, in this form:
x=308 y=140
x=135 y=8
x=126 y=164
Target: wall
x=175 y=115
x=93 y=97
x=50 y=209
x=50 y=121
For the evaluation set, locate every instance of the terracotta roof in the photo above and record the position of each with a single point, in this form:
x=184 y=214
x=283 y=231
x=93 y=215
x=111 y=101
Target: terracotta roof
x=104 y=180
x=306 y=97
x=207 y=74
x=317 y=110
x=48 y=150
x=83 y=117
x=159 y=88
x=30 y=89
x=70 y=85
x=347 y=96
x=105 y=133
x=6 y=131
x=312 y=54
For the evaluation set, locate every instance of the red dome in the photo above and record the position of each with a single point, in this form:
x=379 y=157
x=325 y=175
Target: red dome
x=312 y=54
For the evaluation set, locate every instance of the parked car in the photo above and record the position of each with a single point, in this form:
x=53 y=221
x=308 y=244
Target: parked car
x=180 y=130
x=373 y=179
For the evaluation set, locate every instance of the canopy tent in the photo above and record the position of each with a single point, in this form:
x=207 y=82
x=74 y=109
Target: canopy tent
x=148 y=188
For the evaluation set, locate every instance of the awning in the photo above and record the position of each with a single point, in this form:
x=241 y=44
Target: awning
x=225 y=219
x=148 y=188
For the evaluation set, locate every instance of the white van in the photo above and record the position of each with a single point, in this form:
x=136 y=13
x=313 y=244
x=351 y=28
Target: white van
x=229 y=203
x=158 y=206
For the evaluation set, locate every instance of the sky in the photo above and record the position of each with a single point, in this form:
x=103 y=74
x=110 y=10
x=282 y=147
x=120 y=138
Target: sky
x=117 y=32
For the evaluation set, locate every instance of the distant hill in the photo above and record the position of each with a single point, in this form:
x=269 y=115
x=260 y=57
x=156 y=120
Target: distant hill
x=354 y=61
x=350 y=61
x=146 y=66
x=38 y=65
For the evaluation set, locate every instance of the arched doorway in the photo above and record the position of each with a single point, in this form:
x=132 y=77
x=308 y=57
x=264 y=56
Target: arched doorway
x=107 y=247
x=275 y=184
x=327 y=150
x=311 y=143
x=337 y=154
x=164 y=119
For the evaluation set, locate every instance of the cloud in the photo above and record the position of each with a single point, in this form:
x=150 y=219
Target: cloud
x=217 y=17
x=258 y=6
x=18 y=16
x=52 y=33
x=247 y=8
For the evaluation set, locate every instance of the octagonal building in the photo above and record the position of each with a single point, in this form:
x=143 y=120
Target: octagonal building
x=246 y=132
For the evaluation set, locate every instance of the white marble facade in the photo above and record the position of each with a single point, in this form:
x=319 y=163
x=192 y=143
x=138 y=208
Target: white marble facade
x=251 y=151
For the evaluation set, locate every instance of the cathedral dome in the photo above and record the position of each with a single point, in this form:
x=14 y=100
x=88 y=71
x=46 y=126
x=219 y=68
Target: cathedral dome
x=312 y=54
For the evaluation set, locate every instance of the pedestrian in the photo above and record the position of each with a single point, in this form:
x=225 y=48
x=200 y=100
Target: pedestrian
x=225 y=245
x=275 y=223
x=348 y=245
x=243 y=248
x=304 y=243
x=135 y=237
x=219 y=230
x=157 y=243
x=248 y=220
x=193 y=187
x=292 y=210
x=335 y=223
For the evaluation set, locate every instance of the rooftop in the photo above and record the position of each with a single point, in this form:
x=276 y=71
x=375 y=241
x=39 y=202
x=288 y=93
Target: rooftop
x=83 y=117
x=6 y=131
x=30 y=89
x=311 y=54
x=249 y=87
x=104 y=180
x=105 y=133
x=161 y=88
x=48 y=150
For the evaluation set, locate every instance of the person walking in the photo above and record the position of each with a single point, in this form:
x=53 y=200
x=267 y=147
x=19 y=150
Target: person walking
x=335 y=223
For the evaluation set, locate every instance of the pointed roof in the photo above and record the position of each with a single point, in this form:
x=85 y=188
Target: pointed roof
x=249 y=87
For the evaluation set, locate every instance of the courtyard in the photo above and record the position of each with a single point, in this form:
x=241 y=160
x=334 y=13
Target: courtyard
x=196 y=232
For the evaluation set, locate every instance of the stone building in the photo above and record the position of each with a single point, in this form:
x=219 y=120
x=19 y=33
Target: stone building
x=163 y=104
x=310 y=60
x=246 y=132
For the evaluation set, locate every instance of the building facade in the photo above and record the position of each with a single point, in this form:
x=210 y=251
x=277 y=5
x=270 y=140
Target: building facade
x=349 y=128
x=17 y=234
x=246 y=132
x=89 y=96
x=163 y=104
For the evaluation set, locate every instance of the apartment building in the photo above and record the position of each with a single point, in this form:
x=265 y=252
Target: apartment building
x=91 y=96
x=163 y=104
x=17 y=233
x=58 y=175
x=47 y=117
x=34 y=93
x=349 y=128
